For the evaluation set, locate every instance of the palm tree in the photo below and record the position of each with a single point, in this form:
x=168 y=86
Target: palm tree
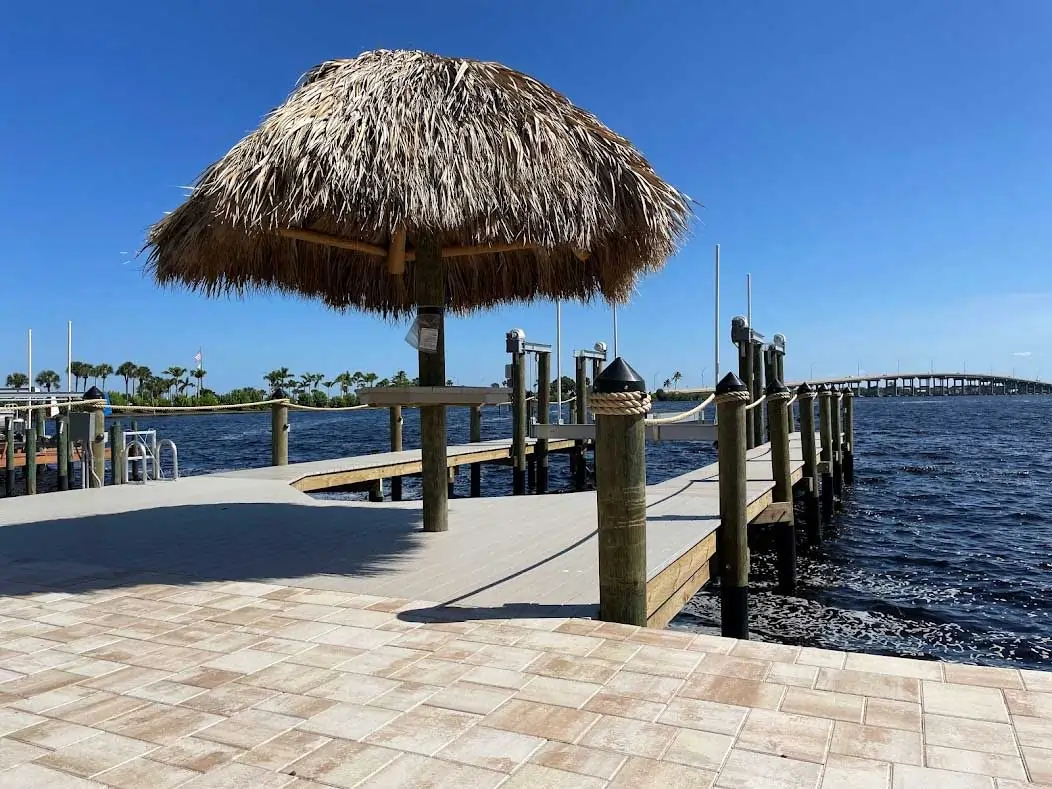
x=127 y=372
x=344 y=380
x=370 y=378
x=17 y=380
x=667 y=384
x=183 y=384
x=199 y=374
x=677 y=377
x=103 y=371
x=328 y=386
x=400 y=379
x=80 y=370
x=175 y=374
x=278 y=378
x=143 y=374
x=47 y=379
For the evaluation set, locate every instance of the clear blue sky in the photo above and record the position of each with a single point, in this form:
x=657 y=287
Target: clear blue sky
x=884 y=170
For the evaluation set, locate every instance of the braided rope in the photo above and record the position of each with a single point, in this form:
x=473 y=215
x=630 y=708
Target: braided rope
x=733 y=397
x=618 y=403
x=778 y=397
x=227 y=407
x=298 y=407
x=668 y=420
x=69 y=404
x=755 y=403
x=790 y=403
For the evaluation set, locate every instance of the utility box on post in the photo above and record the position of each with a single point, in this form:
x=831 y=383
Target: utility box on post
x=80 y=427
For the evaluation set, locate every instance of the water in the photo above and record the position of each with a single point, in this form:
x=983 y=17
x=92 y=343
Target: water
x=942 y=550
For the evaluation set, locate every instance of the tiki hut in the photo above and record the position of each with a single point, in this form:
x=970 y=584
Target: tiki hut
x=402 y=182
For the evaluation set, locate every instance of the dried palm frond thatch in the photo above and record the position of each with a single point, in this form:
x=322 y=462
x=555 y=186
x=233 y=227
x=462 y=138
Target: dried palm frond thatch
x=467 y=153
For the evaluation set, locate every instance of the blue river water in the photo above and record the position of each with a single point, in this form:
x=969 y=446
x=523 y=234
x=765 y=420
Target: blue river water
x=943 y=550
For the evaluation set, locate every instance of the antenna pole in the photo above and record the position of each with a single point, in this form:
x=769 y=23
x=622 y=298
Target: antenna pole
x=716 y=330
x=559 y=357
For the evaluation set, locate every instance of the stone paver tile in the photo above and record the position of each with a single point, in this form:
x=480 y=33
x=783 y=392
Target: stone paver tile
x=228 y=699
x=246 y=661
x=850 y=771
x=616 y=651
x=579 y=627
x=31 y=663
x=638 y=772
x=468 y=697
x=561 y=643
x=1040 y=681
x=159 y=723
x=357 y=637
x=866 y=683
x=704 y=715
x=349 y=721
x=492 y=749
x=13 y=753
x=1029 y=703
x=297 y=706
x=822 y=658
x=583 y=669
x=411 y=771
x=54 y=734
x=664 y=662
x=96 y=754
x=52 y=699
x=357 y=688
x=29 y=644
x=551 y=690
x=894 y=666
x=342 y=763
x=549 y=721
x=629 y=736
x=290 y=677
x=701 y=749
x=624 y=706
x=206 y=678
x=713 y=645
x=283 y=750
x=987 y=676
x=750 y=770
x=969 y=734
x=196 y=754
x=499 y=656
x=406 y=696
x=239 y=776
x=823 y=704
x=965 y=701
x=1033 y=731
x=795 y=674
x=893 y=714
x=876 y=742
x=498 y=677
x=125 y=679
x=1006 y=766
x=249 y=728
x=461 y=649
x=432 y=671
x=1039 y=763
x=727 y=666
x=798 y=737
x=166 y=692
x=578 y=759
x=1011 y=783
x=765 y=650
x=172 y=659
x=36 y=776
x=14 y=720
x=302 y=629
x=422 y=639
x=731 y=690
x=424 y=729
x=90 y=667
x=644 y=686
x=143 y=773
x=509 y=635
x=910 y=777
x=41 y=682
x=672 y=639
x=94 y=709
x=383 y=661
x=536 y=776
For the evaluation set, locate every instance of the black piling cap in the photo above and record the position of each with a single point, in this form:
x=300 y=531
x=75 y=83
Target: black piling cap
x=618 y=376
x=279 y=394
x=94 y=393
x=776 y=387
x=803 y=389
x=822 y=388
x=730 y=383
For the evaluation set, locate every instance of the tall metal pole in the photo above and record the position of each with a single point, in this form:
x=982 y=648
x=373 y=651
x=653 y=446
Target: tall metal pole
x=69 y=356
x=615 y=331
x=29 y=386
x=748 y=299
x=716 y=330
x=559 y=358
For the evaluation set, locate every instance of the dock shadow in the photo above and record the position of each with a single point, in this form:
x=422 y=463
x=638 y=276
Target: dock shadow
x=201 y=543
x=451 y=612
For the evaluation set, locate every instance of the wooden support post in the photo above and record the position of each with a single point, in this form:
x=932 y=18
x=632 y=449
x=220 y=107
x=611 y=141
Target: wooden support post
x=395 y=416
x=41 y=431
x=745 y=375
x=812 y=516
x=116 y=455
x=137 y=469
x=849 y=438
x=451 y=481
x=376 y=490
x=279 y=431
x=758 y=431
x=518 y=422
x=621 y=496
x=430 y=282
x=732 y=396
x=825 y=427
x=838 y=466
x=476 y=436
x=98 y=448
x=540 y=449
x=580 y=468
x=62 y=450
x=9 y=456
x=778 y=421
x=31 y=461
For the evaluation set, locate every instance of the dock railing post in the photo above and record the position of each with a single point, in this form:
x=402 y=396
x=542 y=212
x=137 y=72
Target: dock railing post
x=476 y=437
x=849 y=438
x=31 y=460
x=97 y=472
x=825 y=427
x=620 y=402
x=838 y=438
x=758 y=427
x=395 y=418
x=279 y=429
x=805 y=397
x=62 y=450
x=116 y=456
x=540 y=449
x=778 y=423
x=732 y=396
x=9 y=456
x=515 y=338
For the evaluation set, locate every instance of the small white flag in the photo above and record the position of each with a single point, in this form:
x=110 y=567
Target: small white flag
x=198 y=357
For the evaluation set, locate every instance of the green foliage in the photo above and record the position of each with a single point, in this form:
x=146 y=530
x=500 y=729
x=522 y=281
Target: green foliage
x=18 y=380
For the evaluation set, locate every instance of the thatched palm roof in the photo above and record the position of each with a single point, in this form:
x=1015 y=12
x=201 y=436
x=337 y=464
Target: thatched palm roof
x=467 y=152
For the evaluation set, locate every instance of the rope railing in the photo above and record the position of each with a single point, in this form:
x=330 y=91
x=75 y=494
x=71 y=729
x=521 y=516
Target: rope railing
x=668 y=420
x=327 y=409
x=791 y=401
x=755 y=403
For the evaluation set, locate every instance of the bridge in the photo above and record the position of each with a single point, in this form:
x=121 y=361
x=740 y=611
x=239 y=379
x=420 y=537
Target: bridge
x=923 y=384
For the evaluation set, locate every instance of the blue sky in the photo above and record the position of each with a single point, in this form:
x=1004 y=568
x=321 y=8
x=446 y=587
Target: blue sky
x=882 y=169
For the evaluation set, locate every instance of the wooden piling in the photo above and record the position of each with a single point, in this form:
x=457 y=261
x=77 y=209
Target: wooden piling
x=376 y=490
x=732 y=396
x=540 y=449
x=518 y=423
x=758 y=431
x=825 y=427
x=430 y=285
x=98 y=448
x=812 y=515
x=476 y=436
x=41 y=426
x=745 y=375
x=620 y=399
x=580 y=467
x=9 y=456
x=837 y=433
x=849 y=438
x=395 y=417
x=116 y=454
x=62 y=450
x=778 y=422
x=279 y=431
x=451 y=481
x=31 y=461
